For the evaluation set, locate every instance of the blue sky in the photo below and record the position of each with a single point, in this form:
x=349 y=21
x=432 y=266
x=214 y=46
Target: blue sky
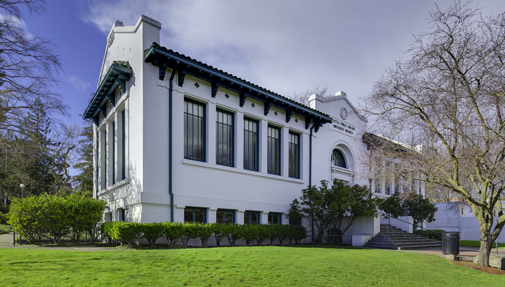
x=287 y=46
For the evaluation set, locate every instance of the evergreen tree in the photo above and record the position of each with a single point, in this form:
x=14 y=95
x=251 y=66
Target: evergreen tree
x=83 y=182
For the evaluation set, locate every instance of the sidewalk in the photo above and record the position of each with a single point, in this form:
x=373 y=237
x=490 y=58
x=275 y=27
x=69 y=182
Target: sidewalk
x=463 y=251
x=6 y=242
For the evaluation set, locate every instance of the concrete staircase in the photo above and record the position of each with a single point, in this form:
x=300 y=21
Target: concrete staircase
x=391 y=237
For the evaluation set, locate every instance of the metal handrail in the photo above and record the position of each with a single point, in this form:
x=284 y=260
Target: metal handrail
x=413 y=224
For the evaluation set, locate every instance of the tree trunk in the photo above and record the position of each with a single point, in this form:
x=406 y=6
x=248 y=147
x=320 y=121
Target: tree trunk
x=485 y=247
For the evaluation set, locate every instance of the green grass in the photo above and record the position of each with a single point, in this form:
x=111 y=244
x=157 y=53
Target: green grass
x=245 y=266
x=476 y=243
x=5 y=229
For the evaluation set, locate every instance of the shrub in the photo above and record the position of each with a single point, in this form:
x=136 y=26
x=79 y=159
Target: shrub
x=3 y=218
x=263 y=233
x=152 y=231
x=54 y=216
x=250 y=233
x=84 y=212
x=189 y=230
x=300 y=233
x=204 y=232
x=234 y=232
x=274 y=233
x=173 y=232
x=219 y=232
x=433 y=233
x=282 y=232
x=124 y=231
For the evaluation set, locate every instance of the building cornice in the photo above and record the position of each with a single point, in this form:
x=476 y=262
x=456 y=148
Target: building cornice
x=165 y=58
x=117 y=75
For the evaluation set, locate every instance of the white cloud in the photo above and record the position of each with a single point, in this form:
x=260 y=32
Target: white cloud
x=16 y=22
x=78 y=84
x=286 y=46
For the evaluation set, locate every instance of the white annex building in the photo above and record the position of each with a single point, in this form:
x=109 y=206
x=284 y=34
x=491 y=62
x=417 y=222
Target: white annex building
x=178 y=140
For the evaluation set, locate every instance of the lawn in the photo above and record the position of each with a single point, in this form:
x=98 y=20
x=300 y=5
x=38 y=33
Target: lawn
x=5 y=228
x=476 y=243
x=246 y=266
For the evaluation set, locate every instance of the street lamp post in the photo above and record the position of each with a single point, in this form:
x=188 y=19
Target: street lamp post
x=22 y=186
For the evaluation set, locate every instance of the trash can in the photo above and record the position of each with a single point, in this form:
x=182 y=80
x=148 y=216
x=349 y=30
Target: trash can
x=450 y=243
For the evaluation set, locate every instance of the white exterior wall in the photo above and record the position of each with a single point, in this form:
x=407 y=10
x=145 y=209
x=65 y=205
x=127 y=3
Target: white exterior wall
x=144 y=193
x=343 y=134
x=458 y=217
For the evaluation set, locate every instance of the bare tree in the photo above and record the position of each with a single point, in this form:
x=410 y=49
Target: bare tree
x=303 y=97
x=446 y=95
x=28 y=66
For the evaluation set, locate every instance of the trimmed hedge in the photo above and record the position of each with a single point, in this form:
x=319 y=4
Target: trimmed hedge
x=432 y=233
x=126 y=232
x=55 y=216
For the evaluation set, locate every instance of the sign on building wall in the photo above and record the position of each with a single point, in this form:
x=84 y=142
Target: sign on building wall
x=343 y=127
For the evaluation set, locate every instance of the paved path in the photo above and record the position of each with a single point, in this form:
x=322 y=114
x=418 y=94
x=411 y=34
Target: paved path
x=6 y=242
x=463 y=251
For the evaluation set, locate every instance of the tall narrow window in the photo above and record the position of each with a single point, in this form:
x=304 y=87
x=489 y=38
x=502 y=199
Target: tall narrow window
x=251 y=144
x=294 y=155
x=195 y=214
x=274 y=150
x=194 y=130
x=224 y=138
x=251 y=217
x=103 y=162
x=97 y=161
x=113 y=152
x=123 y=145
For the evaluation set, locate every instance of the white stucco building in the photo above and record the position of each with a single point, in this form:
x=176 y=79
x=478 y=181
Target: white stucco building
x=457 y=216
x=178 y=140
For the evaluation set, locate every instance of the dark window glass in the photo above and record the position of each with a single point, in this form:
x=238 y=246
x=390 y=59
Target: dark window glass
x=251 y=144
x=194 y=130
x=251 y=217
x=97 y=162
x=338 y=159
x=225 y=216
x=274 y=218
x=123 y=145
x=294 y=155
x=104 y=156
x=295 y=221
x=113 y=152
x=224 y=138
x=274 y=150
x=195 y=214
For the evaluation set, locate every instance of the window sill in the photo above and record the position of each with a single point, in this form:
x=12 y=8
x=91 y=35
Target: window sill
x=241 y=171
x=115 y=186
x=342 y=170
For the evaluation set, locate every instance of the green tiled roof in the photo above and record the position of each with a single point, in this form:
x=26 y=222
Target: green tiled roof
x=166 y=58
x=119 y=72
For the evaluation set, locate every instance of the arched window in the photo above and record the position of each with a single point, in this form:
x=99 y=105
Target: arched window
x=338 y=159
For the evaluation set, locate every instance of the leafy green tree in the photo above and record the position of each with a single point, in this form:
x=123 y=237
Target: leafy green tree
x=392 y=206
x=83 y=181
x=420 y=208
x=336 y=207
x=38 y=156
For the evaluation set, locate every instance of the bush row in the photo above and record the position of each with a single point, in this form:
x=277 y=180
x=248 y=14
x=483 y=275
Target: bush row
x=433 y=233
x=126 y=232
x=55 y=217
